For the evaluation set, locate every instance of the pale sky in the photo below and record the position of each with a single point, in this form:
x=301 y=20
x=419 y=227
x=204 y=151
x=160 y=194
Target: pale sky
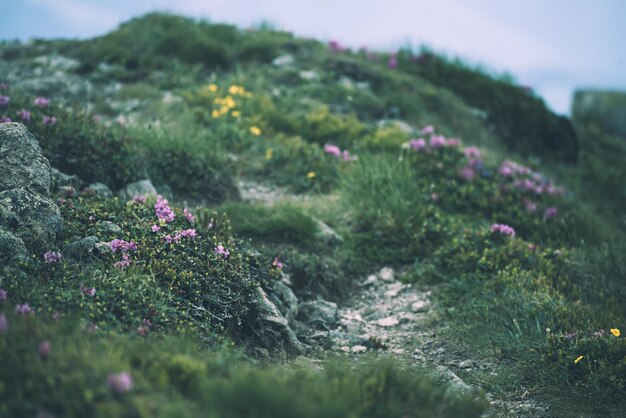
x=553 y=46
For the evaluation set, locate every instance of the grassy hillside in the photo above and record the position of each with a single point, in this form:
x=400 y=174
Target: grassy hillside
x=462 y=181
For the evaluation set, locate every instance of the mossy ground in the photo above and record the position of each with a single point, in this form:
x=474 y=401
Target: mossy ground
x=199 y=116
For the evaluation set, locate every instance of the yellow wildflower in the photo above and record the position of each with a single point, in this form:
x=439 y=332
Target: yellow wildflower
x=215 y=113
x=254 y=130
x=311 y=175
x=268 y=154
x=235 y=114
x=578 y=359
x=234 y=90
x=229 y=101
x=615 y=332
x=212 y=88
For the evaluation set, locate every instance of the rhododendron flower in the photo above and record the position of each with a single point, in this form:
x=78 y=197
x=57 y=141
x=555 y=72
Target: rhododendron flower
x=417 y=144
x=347 y=157
x=24 y=115
x=437 y=141
x=168 y=239
x=506 y=169
x=163 y=210
x=52 y=257
x=468 y=173
x=332 y=150
x=3 y=294
x=472 y=152
x=189 y=216
x=530 y=206
x=120 y=382
x=122 y=246
x=392 y=63
x=155 y=228
x=220 y=250
x=87 y=291
x=5 y=119
x=188 y=233
x=277 y=264
x=428 y=130
x=24 y=309
x=44 y=348
x=335 y=46
x=139 y=198
x=453 y=142
x=41 y=102
x=550 y=212
x=4 y=323
x=4 y=101
x=503 y=229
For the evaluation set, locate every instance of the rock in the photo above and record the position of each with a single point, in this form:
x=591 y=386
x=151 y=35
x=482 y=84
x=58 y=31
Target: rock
x=12 y=248
x=278 y=327
x=103 y=248
x=393 y=290
x=285 y=300
x=326 y=234
x=165 y=191
x=59 y=180
x=109 y=227
x=57 y=62
x=283 y=61
x=420 y=306
x=386 y=274
x=141 y=187
x=389 y=321
x=32 y=217
x=81 y=248
x=466 y=364
x=455 y=381
x=319 y=313
x=100 y=190
x=372 y=280
x=400 y=124
x=358 y=349
x=21 y=162
x=309 y=75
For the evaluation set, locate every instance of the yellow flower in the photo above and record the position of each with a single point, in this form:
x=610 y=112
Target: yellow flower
x=578 y=359
x=234 y=90
x=229 y=102
x=268 y=154
x=212 y=88
x=215 y=113
x=254 y=130
x=615 y=332
x=235 y=114
x=311 y=175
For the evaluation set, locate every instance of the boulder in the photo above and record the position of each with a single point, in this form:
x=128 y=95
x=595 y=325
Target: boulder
x=277 y=333
x=285 y=300
x=141 y=187
x=319 y=313
x=100 y=190
x=81 y=248
x=21 y=162
x=59 y=180
x=12 y=248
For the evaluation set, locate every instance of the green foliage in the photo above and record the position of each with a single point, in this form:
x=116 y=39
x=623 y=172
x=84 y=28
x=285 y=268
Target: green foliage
x=323 y=127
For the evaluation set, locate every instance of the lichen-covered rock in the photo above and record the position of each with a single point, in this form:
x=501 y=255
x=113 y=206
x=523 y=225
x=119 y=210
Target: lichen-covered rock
x=319 y=313
x=59 y=180
x=100 y=190
x=21 y=162
x=12 y=248
x=277 y=328
x=81 y=248
x=141 y=187
x=32 y=217
x=285 y=300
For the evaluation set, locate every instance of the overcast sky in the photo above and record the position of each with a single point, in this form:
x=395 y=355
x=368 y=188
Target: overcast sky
x=553 y=46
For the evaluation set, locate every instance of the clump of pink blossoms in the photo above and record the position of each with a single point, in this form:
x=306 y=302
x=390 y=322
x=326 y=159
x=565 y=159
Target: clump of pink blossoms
x=163 y=210
x=503 y=229
x=120 y=382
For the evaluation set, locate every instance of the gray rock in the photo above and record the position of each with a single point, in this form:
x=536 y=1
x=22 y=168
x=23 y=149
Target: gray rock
x=455 y=381
x=81 y=248
x=109 y=227
x=285 y=300
x=141 y=187
x=21 y=162
x=277 y=325
x=283 y=61
x=319 y=313
x=326 y=234
x=57 y=62
x=165 y=191
x=103 y=248
x=309 y=75
x=12 y=248
x=101 y=190
x=59 y=180
x=32 y=217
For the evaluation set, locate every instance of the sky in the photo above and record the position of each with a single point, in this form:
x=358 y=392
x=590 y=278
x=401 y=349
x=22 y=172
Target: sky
x=553 y=46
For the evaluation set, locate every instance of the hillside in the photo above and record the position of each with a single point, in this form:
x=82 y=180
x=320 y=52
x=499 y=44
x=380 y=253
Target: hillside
x=200 y=220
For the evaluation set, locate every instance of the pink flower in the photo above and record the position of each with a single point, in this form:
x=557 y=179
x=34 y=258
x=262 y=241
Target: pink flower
x=347 y=157
x=88 y=291
x=550 y=212
x=143 y=330
x=163 y=210
x=5 y=119
x=120 y=382
x=4 y=323
x=189 y=216
x=392 y=63
x=530 y=206
x=155 y=228
x=503 y=229
x=91 y=218
x=49 y=120
x=506 y=169
x=453 y=142
x=52 y=257
x=332 y=150
x=121 y=120
x=124 y=263
x=437 y=141
x=188 y=233
x=220 y=250
x=428 y=130
x=417 y=144
x=122 y=246
x=468 y=173
x=3 y=294
x=44 y=348
x=4 y=101
x=41 y=102
x=24 y=115
x=24 y=309
x=277 y=264
x=472 y=152
x=139 y=198
x=168 y=239
x=335 y=46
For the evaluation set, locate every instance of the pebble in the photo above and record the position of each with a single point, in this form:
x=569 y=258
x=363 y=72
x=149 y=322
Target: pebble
x=420 y=306
x=358 y=349
x=390 y=321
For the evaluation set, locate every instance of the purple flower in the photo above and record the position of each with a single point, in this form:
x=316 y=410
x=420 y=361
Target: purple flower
x=139 y=198
x=437 y=141
x=506 y=168
x=3 y=294
x=163 y=210
x=5 y=119
x=187 y=233
x=570 y=336
x=549 y=213
x=24 y=309
x=417 y=144
x=168 y=239
x=4 y=323
x=120 y=382
x=4 y=101
x=530 y=206
x=91 y=218
x=427 y=130
x=52 y=257
x=600 y=333
x=503 y=229
x=468 y=173
x=88 y=291
x=41 y=102
x=125 y=262
x=453 y=142
x=189 y=216
x=24 y=114
x=392 y=63
x=347 y=157
x=155 y=228
x=44 y=348
x=122 y=246
x=472 y=152
x=277 y=264
x=335 y=46
x=332 y=150
x=220 y=250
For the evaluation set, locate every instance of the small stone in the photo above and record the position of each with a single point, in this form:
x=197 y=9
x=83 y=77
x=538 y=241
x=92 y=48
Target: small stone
x=109 y=227
x=393 y=290
x=283 y=61
x=345 y=349
x=390 y=321
x=371 y=280
x=398 y=351
x=309 y=75
x=100 y=190
x=386 y=274
x=420 y=306
x=466 y=364
x=141 y=187
x=358 y=349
